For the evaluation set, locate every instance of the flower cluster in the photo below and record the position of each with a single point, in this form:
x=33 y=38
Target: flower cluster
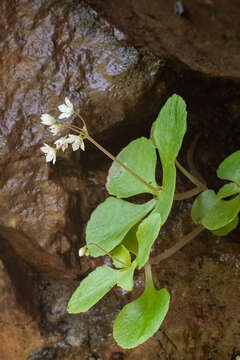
x=55 y=127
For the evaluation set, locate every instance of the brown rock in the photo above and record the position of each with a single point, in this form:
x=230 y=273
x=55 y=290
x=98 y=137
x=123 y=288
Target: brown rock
x=204 y=36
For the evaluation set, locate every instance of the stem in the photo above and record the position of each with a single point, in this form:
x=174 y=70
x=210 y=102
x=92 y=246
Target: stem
x=180 y=244
x=81 y=118
x=190 y=161
x=187 y=194
x=148 y=275
x=190 y=176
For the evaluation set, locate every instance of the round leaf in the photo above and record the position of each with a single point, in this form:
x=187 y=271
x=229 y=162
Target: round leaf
x=140 y=319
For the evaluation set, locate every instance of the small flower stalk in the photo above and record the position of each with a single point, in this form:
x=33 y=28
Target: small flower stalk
x=55 y=127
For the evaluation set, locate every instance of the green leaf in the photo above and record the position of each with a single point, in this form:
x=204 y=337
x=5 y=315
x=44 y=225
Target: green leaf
x=92 y=289
x=222 y=213
x=166 y=195
x=228 y=228
x=110 y=222
x=121 y=257
x=228 y=190
x=214 y=213
x=130 y=240
x=140 y=319
x=147 y=233
x=202 y=204
x=170 y=127
x=229 y=169
x=140 y=156
x=125 y=277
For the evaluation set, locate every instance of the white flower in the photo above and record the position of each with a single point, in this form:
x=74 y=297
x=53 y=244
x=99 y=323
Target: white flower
x=62 y=143
x=76 y=141
x=48 y=119
x=56 y=128
x=50 y=153
x=66 y=109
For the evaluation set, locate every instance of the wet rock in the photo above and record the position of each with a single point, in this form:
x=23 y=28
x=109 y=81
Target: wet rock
x=205 y=39
x=50 y=49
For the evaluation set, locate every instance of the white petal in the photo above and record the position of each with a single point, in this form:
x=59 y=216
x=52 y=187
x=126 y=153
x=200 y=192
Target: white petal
x=75 y=146
x=63 y=116
x=71 y=138
x=62 y=143
x=63 y=108
x=45 y=148
x=82 y=146
x=47 y=119
x=68 y=103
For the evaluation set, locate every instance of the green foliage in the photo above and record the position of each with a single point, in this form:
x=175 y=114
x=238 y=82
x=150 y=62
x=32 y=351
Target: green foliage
x=92 y=289
x=121 y=228
x=229 y=169
x=167 y=134
x=147 y=233
x=228 y=190
x=121 y=257
x=126 y=231
x=125 y=277
x=120 y=182
x=140 y=319
x=215 y=214
x=169 y=129
x=111 y=221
